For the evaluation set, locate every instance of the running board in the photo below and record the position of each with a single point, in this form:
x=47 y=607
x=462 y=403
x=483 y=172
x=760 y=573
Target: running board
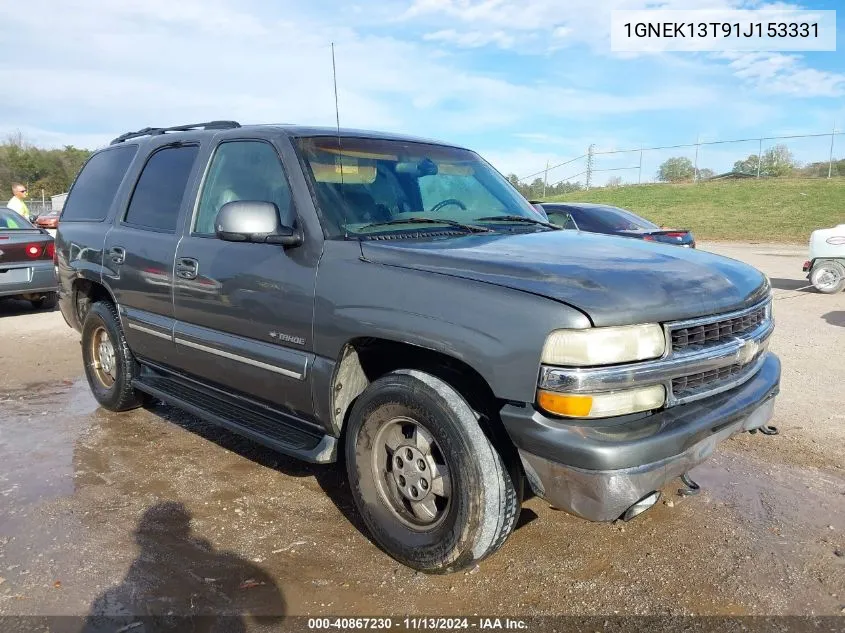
x=264 y=428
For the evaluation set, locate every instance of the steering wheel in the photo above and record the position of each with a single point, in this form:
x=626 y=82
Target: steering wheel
x=447 y=202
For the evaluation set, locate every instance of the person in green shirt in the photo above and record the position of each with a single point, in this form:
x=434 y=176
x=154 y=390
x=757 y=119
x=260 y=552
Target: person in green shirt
x=16 y=203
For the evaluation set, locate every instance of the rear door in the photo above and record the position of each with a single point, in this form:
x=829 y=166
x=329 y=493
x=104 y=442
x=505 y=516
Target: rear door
x=244 y=311
x=139 y=250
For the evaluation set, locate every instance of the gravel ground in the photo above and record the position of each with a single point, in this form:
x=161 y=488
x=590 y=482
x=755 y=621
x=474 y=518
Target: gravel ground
x=154 y=511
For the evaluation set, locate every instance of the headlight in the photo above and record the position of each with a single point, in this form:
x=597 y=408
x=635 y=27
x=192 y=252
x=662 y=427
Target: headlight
x=602 y=405
x=604 y=345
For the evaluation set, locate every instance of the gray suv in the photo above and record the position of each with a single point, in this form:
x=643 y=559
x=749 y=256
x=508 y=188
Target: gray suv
x=395 y=304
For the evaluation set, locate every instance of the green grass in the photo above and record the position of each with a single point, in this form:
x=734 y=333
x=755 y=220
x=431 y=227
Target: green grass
x=745 y=210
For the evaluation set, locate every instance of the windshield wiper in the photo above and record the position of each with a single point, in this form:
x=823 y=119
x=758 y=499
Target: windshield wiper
x=518 y=218
x=469 y=228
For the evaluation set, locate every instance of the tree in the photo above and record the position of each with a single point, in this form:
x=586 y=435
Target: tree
x=536 y=189
x=52 y=170
x=747 y=166
x=777 y=161
x=677 y=169
x=822 y=169
x=614 y=181
x=704 y=174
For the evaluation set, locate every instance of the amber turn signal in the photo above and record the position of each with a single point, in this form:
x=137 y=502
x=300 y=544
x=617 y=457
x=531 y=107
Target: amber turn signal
x=573 y=406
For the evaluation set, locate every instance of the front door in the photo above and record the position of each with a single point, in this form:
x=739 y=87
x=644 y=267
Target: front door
x=139 y=250
x=244 y=311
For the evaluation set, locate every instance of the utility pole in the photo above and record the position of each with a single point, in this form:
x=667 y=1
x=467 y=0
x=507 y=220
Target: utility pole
x=760 y=158
x=545 y=180
x=590 y=150
x=640 y=176
x=830 y=164
x=697 y=145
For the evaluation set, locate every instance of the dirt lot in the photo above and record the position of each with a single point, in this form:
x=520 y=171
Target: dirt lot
x=154 y=511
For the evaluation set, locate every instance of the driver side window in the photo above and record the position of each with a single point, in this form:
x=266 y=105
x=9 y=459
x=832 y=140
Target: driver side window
x=243 y=170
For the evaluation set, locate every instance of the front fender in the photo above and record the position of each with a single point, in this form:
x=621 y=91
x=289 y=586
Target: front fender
x=497 y=331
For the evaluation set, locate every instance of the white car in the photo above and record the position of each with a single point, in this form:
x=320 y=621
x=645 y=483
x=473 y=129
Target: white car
x=826 y=267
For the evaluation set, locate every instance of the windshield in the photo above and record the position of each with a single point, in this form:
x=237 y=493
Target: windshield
x=362 y=184
x=11 y=220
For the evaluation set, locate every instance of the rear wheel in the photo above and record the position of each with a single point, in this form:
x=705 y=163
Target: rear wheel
x=828 y=277
x=47 y=302
x=109 y=364
x=431 y=488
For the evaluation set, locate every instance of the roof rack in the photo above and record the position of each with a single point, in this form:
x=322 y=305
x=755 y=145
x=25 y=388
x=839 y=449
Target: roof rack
x=152 y=131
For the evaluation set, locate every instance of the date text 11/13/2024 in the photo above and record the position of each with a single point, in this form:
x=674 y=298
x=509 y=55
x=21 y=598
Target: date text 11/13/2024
x=421 y=623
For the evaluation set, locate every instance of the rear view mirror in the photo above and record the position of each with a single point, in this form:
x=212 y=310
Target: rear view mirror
x=253 y=221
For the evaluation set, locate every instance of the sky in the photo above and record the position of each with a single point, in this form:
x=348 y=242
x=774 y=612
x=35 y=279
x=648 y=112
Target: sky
x=522 y=82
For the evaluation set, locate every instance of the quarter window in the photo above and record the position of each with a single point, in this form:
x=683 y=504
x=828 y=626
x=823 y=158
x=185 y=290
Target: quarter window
x=97 y=184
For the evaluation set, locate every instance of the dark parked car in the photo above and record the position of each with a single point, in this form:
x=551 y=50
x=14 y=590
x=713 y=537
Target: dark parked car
x=396 y=301
x=602 y=218
x=26 y=261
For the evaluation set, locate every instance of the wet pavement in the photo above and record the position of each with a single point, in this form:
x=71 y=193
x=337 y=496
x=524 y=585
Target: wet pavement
x=155 y=512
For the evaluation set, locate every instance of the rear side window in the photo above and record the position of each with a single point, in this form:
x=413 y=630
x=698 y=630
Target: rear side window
x=158 y=194
x=97 y=185
x=586 y=222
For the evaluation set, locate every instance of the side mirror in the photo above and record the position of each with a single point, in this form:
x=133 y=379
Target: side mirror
x=252 y=221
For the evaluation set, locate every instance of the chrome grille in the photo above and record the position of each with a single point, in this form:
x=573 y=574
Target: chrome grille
x=717 y=331
x=694 y=383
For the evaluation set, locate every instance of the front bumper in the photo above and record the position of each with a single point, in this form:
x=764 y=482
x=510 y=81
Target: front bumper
x=598 y=469
x=35 y=278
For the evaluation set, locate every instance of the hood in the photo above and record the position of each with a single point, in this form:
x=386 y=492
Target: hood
x=613 y=280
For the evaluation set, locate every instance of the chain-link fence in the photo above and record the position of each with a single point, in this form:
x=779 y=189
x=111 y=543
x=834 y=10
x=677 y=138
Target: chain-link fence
x=38 y=207
x=792 y=156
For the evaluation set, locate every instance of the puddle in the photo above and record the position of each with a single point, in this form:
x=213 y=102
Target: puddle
x=779 y=496
x=40 y=425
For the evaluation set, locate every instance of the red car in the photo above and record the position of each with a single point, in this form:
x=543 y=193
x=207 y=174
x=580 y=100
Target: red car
x=48 y=220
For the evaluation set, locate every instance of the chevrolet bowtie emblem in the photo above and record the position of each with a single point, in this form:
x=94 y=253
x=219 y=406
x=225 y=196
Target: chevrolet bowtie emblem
x=748 y=351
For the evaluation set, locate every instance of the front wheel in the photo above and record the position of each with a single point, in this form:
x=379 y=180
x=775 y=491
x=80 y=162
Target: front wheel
x=828 y=277
x=430 y=486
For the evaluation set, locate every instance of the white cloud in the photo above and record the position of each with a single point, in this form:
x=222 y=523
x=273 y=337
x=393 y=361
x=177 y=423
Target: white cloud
x=587 y=23
x=125 y=65
x=472 y=39
x=776 y=73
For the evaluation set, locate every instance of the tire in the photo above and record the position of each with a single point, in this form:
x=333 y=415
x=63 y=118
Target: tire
x=828 y=277
x=110 y=379
x=47 y=302
x=477 y=506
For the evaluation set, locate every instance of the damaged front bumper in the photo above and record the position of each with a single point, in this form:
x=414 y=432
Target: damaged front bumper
x=598 y=469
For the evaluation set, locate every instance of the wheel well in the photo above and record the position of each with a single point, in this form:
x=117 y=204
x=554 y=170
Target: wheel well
x=86 y=293
x=366 y=359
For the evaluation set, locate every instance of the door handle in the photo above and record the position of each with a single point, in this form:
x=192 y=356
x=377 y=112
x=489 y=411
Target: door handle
x=187 y=267
x=117 y=254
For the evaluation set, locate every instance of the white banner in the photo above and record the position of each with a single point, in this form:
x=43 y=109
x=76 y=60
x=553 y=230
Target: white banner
x=659 y=30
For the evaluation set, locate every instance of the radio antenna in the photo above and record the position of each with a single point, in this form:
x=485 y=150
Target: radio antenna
x=339 y=147
x=336 y=109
